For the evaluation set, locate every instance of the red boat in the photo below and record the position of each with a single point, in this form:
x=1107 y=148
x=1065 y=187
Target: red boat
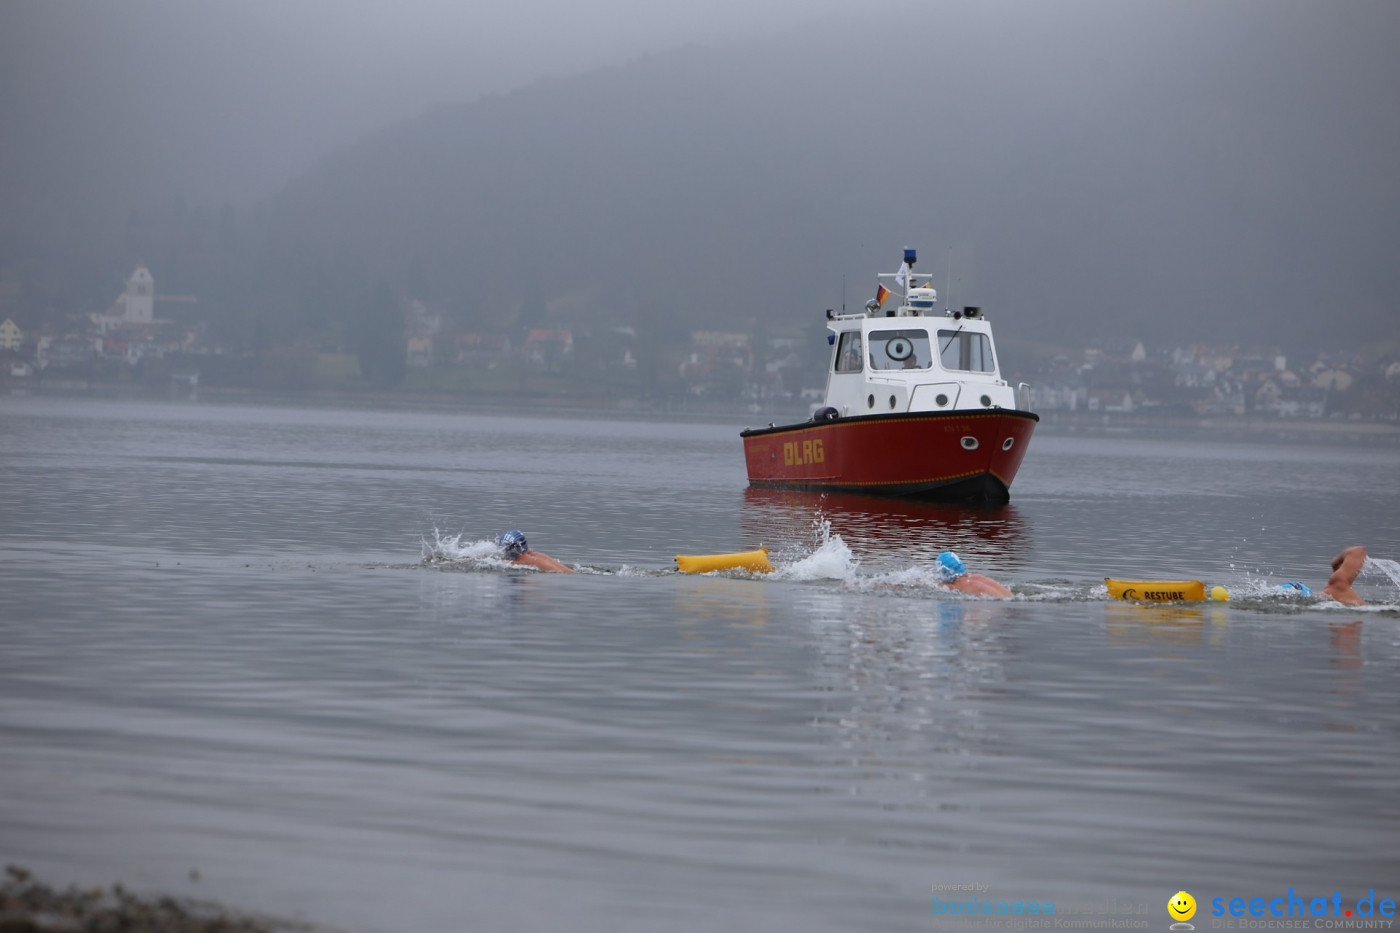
x=915 y=406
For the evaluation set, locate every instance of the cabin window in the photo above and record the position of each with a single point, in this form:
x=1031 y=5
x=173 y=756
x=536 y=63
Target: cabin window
x=848 y=352
x=967 y=351
x=899 y=349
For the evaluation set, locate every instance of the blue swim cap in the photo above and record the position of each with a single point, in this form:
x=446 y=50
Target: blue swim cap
x=950 y=567
x=1293 y=586
x=512 y=542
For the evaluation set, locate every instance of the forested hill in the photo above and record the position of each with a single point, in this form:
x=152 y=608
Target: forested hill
x=1084 y=167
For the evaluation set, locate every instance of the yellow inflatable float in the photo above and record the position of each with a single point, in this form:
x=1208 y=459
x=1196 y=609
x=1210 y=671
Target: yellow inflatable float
x=754 y=561
x=1159 y=591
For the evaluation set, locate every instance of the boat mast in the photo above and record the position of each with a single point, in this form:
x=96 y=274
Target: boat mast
x=948 y=292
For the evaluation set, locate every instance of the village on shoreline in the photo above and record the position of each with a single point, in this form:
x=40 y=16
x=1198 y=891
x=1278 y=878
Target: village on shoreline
x=149 y=344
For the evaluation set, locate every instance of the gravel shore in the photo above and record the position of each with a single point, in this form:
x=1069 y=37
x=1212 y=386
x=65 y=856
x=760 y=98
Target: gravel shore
x=29 y=906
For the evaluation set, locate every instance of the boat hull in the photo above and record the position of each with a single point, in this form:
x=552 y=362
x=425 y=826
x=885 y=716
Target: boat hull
x=968 y=456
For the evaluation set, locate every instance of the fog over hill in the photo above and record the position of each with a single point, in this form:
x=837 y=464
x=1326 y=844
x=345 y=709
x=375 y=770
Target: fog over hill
x=1172 y=171
x=1087 y=168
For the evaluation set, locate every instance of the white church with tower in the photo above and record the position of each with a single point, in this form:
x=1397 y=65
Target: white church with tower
x=140 y=296
x=136 y=306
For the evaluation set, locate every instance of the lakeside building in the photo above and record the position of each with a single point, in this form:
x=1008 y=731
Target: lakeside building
x=135 y=307
x=11 y=337
x=1200 y=379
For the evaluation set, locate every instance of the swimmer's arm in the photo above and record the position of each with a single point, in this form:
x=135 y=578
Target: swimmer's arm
x=1347 y=565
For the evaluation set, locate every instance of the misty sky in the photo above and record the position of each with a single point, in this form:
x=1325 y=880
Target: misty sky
x=326 y=72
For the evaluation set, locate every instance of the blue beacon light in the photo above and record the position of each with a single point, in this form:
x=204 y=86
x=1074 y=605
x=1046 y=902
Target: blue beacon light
x=910 y=256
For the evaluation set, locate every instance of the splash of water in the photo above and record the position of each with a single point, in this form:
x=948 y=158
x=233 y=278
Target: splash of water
x=1387 y=568
x=444 y=548
x=832 y=559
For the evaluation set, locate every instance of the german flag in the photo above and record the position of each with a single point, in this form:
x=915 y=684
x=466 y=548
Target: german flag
x=881 y=294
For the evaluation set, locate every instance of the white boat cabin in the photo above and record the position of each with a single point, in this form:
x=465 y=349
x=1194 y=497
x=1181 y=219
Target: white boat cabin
x=915 y=358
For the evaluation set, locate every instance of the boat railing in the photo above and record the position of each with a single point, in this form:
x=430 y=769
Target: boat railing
x=1023 y=396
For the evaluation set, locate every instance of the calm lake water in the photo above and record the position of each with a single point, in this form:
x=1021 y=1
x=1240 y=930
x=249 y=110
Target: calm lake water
x=222 y=649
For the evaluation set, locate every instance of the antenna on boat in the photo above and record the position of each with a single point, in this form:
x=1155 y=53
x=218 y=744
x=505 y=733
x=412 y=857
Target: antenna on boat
x=948 y=292
x=843 y=293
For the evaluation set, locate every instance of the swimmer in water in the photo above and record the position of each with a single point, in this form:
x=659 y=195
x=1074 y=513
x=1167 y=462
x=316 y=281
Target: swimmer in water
x=512 y=544
x=956 y=577
x=1345 y=567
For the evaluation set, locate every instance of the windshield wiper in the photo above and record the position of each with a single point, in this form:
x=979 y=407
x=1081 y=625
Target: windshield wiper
x=945 y=347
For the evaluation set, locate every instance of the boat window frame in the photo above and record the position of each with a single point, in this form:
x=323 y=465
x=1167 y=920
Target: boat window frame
x=922 y=349
x=845 y=353
x=963 y=355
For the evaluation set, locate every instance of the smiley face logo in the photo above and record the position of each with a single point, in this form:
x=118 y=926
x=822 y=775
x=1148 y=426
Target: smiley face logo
x=1182 y=906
